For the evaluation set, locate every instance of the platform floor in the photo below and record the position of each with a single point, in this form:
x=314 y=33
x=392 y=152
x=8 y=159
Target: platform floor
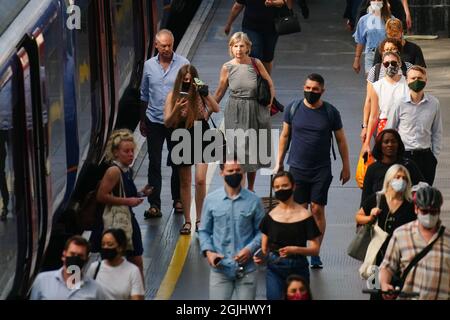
x=174 y=268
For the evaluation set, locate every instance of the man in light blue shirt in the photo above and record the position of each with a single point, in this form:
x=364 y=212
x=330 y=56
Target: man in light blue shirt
x=418 y=121
x=229 y=236
x=68 y=283
x=157 y=80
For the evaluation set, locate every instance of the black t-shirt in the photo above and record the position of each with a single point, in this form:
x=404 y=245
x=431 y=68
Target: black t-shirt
x=257 y=16
x=411 y=53
x=374 y=178
x=389 y=221
x=288 y=234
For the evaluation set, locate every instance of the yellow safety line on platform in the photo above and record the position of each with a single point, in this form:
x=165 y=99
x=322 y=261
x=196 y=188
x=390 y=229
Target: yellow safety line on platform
x=180 y=253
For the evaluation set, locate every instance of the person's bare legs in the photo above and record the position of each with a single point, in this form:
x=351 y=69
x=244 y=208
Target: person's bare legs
x=251 y=177
x=201 y=170
x=185 y=191
x=318 y=212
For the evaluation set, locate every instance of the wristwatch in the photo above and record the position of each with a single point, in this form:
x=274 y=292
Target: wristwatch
x=363 y=126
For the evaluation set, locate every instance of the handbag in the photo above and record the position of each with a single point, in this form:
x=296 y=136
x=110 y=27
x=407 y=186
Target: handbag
x=286 y=21
x=276 y=107
x=365 y=160
x=378 y=238
x=358 y=246
x=262 y=87
x=119 y=217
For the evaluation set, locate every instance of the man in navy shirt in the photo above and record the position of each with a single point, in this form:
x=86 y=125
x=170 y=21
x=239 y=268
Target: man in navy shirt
x=310 y=128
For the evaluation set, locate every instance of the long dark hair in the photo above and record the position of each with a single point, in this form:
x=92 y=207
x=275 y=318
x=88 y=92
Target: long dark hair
x=377 y=150
x=385 y=11
x=193 y=112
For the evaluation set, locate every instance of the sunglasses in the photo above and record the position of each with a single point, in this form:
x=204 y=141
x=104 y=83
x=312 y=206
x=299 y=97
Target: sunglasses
x=392 y=63
x=433 y=212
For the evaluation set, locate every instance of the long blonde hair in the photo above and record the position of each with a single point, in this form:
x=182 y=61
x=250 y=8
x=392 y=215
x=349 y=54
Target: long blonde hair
x=193 y=98
x=114 y=141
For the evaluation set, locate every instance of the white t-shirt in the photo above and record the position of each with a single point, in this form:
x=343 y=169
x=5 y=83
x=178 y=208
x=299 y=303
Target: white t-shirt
x=120 y=282
x=390 y=95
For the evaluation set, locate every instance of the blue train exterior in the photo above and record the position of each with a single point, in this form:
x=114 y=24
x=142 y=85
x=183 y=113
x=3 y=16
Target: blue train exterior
x=62 y=91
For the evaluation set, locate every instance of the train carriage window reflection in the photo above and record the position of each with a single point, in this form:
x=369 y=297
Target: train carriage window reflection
x=53 y=60
x=87 y=85
x=125 y=46
x=8 y=223
x=9 y=11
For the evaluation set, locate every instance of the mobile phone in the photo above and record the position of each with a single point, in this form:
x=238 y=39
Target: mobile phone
x=184 y=94
x=217 y=261
x=259 y=254
x=140 y=194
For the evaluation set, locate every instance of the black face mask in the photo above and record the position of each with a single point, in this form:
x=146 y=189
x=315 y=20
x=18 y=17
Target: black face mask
x=283 y=194
x=312 y=97
x=108 y=253
x=234 y=180
x=185 y=86
x=75 y=261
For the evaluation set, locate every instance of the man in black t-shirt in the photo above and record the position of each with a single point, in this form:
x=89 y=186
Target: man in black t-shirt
x=258 y=24
x=310 y=127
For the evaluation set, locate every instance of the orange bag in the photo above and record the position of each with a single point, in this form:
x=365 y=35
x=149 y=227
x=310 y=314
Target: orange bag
x=365 y=160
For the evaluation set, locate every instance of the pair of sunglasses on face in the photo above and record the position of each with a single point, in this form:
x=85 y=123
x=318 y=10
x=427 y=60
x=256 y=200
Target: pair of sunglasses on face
x=393 y=63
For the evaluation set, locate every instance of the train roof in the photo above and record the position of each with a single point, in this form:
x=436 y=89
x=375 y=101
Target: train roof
x=17 y=18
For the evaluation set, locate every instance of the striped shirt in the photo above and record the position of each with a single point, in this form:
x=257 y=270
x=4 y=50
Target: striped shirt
x=431 y=275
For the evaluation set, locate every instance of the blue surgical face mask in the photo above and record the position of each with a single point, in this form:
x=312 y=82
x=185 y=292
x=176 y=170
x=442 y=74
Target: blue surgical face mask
x=376 y=5
x=399 y=185
x=428 y=221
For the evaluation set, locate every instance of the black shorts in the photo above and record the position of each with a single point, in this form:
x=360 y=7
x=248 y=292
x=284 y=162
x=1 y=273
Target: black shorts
x=312 y=185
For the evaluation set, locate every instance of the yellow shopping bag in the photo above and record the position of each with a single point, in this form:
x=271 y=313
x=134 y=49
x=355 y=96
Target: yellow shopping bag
x=365 y=160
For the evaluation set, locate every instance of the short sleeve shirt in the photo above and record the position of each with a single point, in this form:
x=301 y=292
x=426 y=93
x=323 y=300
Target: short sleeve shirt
x=311 y=131
x=257 y=16
x=370 y=31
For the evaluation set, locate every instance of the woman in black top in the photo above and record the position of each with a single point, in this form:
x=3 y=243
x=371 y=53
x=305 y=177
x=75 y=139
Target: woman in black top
x=285 y=232
x=388 y=150
x=395 y=206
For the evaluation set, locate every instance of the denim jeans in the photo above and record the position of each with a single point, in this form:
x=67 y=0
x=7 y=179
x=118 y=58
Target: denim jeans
x=222 y=288
x=278 y=269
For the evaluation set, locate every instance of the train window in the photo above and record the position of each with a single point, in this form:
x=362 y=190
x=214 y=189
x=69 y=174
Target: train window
x=54 y=81
x=8 y=223
x=124 y=24
x=87 y=86
x=10 y=10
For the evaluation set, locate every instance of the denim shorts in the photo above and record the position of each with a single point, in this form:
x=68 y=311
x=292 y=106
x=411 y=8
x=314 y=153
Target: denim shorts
x=263 y=44
x=368 y=59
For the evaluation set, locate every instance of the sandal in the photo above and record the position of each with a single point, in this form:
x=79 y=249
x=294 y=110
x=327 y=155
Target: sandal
x=186 y=228
x=178 y=207
x=153 y=212
x=197 y=223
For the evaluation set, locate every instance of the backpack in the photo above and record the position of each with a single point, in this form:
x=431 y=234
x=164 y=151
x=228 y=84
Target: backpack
x=378 y=69
x=294 y=107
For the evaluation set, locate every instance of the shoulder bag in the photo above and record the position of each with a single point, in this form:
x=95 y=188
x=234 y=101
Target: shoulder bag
x=119 y=217
x=360 y=243
x=263 y=94
x=286 y=21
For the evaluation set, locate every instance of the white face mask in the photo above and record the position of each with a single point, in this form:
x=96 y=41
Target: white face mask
x=399 y=185
x=428 y=221
x=376 y=6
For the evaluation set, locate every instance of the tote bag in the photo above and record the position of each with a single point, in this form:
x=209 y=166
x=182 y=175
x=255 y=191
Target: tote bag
x=378 y=238
x=119 y=217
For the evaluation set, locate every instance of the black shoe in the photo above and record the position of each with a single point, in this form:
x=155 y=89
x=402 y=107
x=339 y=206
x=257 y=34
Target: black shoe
x=3 y=215
x=151 y=213
x=304 y=8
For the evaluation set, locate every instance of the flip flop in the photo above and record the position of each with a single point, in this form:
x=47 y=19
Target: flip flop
x=185 y=230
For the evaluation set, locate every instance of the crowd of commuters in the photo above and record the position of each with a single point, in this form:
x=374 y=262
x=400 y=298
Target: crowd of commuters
x=235 y=233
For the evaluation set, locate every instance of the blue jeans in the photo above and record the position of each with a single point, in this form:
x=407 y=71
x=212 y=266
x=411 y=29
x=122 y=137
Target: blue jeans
x=222 y=288
x=263 y=44
x=278 y=269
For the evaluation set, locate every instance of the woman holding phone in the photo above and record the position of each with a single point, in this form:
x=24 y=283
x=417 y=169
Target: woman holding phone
x=189 y=105
x=289 y=235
